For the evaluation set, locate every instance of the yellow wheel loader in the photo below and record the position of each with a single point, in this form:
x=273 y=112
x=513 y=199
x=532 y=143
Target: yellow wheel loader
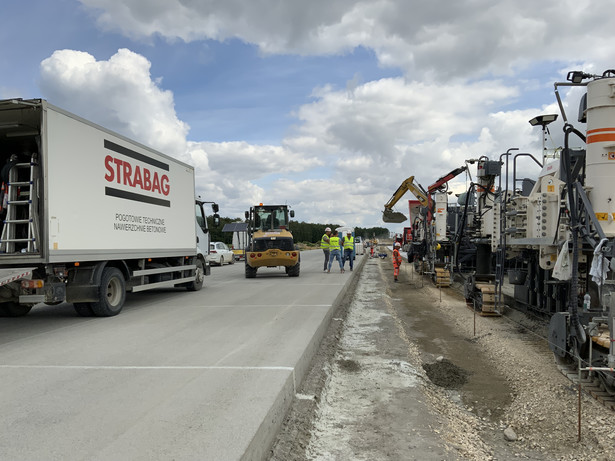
x=270 y=242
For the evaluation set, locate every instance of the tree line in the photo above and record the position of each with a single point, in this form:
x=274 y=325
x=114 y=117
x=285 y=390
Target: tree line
x=302 y=232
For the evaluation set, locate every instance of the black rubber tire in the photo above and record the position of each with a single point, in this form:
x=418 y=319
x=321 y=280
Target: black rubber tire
x=221 y=261
x=112 y=293
x=232 y=260
x=250 y=271
x=293 y=271
x=197 y=283
x=12 y=309
x=83 y=309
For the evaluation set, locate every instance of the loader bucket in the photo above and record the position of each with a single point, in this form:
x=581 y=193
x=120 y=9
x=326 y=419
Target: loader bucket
x=393 y=216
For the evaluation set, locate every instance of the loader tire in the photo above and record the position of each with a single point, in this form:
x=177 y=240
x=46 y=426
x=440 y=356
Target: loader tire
x=250 y=271
x=112 y=293
x=12 y=309
x=293 y=271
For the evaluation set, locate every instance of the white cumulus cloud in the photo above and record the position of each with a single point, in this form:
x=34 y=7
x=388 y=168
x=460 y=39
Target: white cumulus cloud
x=119 y=94
x=468 y=38
x=342 y=160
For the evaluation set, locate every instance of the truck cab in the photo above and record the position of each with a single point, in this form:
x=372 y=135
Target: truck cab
x=203 y=237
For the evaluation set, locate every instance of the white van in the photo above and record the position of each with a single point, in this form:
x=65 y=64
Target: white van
x=359 y=246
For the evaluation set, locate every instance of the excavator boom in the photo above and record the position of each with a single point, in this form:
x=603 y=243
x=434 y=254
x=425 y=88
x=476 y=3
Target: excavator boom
x=388 y=215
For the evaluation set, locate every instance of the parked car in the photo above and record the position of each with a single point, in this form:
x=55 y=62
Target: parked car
x=219 y=254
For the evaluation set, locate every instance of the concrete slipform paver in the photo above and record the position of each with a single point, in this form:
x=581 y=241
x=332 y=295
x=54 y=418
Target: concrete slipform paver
x=177 y=375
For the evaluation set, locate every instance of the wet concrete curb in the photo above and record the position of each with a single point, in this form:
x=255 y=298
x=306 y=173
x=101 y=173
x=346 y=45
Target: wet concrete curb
x=260 y=446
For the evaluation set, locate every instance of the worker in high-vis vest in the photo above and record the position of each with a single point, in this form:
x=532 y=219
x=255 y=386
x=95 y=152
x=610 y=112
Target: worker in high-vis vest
x=348 y=244
x=396 y=260
x=334 y=251
x=324 y=244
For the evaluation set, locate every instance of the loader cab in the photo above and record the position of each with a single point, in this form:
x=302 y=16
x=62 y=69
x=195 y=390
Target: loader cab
x=271 y=217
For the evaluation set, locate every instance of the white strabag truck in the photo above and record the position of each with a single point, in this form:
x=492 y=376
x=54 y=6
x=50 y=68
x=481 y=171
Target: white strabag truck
x=88 y=214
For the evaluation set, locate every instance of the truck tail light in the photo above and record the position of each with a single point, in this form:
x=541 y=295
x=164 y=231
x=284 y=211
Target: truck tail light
x=212 y=251
x=294 y=255
x=32 y=284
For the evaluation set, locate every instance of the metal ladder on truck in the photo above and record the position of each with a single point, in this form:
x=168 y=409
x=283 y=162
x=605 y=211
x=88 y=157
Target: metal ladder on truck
x=20 y=226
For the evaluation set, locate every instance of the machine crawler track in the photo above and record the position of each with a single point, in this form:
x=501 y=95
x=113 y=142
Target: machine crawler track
x=591 y=386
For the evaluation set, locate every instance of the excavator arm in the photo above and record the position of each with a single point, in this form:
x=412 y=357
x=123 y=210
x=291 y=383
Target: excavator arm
x=388 y=215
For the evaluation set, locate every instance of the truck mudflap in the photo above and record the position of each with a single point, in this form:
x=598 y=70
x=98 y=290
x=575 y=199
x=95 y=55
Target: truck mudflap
x=15 y=273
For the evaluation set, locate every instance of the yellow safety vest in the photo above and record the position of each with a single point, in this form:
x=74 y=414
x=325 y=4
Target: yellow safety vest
x=349 y=243
x=334 y=243
x=324 y=245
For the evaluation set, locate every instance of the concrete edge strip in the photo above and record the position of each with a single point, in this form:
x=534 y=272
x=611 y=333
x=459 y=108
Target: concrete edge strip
x=226 y=306
x=137 y=367
x=258 y=448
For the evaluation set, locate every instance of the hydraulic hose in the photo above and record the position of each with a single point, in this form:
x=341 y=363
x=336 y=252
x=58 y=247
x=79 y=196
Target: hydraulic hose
x=573 y=306
x=462 y=223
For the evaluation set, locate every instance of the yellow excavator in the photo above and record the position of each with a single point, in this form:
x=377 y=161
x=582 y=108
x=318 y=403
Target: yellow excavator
x=388 y=215
x=429 y=246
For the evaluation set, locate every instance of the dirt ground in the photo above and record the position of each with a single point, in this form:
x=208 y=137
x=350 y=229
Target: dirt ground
x=407 y=372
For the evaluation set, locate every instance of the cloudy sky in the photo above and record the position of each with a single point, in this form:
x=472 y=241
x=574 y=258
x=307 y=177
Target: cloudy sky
x=324 y=105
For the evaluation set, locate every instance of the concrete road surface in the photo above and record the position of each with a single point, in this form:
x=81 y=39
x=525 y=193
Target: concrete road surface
x=177 y=375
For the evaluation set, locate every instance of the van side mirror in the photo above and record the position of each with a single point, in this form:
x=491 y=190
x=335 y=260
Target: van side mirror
x=247 y=215
x=216 y=220
x=292 y=213
x=215 y=207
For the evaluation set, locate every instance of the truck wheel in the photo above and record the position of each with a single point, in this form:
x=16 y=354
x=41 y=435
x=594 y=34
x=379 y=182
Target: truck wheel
x=83 y=309
x=199 y=275
x=11 y=309
x=293 y=271
x=112 y=293
x=250 y=271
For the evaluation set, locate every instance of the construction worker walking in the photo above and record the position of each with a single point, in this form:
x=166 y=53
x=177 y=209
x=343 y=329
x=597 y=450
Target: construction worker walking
x=335 y=252
x=324 y=244
x=396 y=260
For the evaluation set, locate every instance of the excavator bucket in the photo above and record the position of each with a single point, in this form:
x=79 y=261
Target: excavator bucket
x=393 y=216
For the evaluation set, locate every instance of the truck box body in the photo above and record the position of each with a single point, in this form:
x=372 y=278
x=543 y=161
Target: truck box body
x=96 y=195
x=104 y=196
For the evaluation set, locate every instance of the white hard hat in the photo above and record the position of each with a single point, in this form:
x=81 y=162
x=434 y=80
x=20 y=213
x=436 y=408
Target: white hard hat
x=327 y=229
x=397 y=244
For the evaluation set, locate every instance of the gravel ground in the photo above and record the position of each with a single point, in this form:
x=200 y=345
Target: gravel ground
x=407 y=372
